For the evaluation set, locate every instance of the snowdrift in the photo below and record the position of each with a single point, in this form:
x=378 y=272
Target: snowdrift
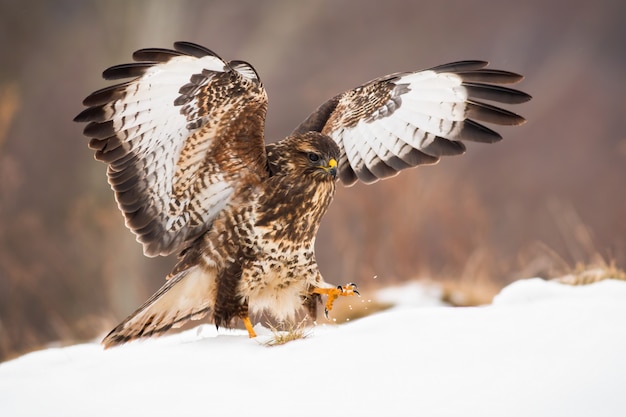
x=541 y=349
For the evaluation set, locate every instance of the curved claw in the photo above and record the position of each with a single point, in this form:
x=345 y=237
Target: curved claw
x=333 y=293
x=354 y=288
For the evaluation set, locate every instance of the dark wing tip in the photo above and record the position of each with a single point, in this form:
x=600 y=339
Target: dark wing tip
x=132 y=70
x=476 y=132
x=87 y=115
x=492 y=114
x=155 y=54
x=106 y=94
x=443 y=147
x=496 y=93
x=193 y=49
x=459 y=66
x=180 y=48
x=99 y=130
x=490 y=75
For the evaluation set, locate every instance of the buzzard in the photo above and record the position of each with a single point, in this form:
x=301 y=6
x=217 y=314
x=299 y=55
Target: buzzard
x=183 y=138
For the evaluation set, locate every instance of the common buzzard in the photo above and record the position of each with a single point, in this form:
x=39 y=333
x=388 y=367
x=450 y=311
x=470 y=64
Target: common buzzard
x=183 y=138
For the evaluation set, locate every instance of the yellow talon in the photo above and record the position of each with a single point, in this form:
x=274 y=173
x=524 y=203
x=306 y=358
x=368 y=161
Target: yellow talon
x=333 y=293
x=248 y=324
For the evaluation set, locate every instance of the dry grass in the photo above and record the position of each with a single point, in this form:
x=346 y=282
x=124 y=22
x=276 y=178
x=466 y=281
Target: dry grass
x=289 y=333
x=589 y=274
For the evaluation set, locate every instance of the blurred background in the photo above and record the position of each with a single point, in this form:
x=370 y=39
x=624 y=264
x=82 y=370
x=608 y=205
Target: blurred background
x=546 y=199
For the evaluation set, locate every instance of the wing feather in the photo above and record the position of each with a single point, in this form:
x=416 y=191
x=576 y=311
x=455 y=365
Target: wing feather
x=180 y=138
x=156 y=55
x=407 y=119
x=132 y=70
x=495 y=93
x=384 y=141
x=488 y=75
x=376 y=156
x=185 y=296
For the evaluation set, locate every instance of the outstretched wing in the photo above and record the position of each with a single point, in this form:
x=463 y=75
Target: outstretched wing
x=412 y=118
x=180 y=138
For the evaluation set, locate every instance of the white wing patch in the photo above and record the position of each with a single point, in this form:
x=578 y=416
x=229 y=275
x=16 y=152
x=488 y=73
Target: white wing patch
x=408 y=119
x=153 y=127
x=163 y=136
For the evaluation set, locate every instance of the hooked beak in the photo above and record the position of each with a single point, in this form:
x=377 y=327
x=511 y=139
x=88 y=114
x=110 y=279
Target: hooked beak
x=331 y=168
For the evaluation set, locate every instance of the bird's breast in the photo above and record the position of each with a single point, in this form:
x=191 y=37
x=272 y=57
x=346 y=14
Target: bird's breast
x=278 y=280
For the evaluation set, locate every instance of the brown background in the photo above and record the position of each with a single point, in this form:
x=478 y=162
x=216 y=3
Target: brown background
x=547 y=198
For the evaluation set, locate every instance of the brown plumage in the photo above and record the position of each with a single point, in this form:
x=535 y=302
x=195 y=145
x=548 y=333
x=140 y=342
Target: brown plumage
x=184 y=144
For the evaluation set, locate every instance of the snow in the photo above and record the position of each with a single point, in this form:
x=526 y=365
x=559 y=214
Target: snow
x=540 y=349
x=412 y=294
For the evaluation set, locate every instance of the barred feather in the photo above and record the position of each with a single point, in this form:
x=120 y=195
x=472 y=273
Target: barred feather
x=415 y=117
x=164 y=135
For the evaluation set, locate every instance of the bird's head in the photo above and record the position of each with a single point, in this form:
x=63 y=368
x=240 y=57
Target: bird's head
x=308 y=154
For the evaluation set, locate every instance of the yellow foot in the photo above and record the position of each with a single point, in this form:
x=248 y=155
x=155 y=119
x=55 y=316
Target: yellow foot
x=333 y=293
x=248 y=324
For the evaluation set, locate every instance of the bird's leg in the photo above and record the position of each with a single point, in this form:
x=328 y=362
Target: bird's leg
x=248 y=324
x=333 y=293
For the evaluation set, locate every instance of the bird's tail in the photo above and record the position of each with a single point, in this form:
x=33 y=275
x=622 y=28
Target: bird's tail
x=188 y=295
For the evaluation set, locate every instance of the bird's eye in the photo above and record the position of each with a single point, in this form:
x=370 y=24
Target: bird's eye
x=313 y=157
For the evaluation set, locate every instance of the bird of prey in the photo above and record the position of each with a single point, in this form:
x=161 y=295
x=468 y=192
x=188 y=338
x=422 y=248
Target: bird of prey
x=183 y=138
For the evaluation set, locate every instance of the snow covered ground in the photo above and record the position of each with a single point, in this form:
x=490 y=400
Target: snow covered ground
x=541 y=349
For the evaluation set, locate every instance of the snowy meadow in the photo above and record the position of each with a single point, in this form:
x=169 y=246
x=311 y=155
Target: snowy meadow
x=540 y=349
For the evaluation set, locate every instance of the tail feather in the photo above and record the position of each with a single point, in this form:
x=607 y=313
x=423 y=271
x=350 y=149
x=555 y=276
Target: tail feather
x=188 y=295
